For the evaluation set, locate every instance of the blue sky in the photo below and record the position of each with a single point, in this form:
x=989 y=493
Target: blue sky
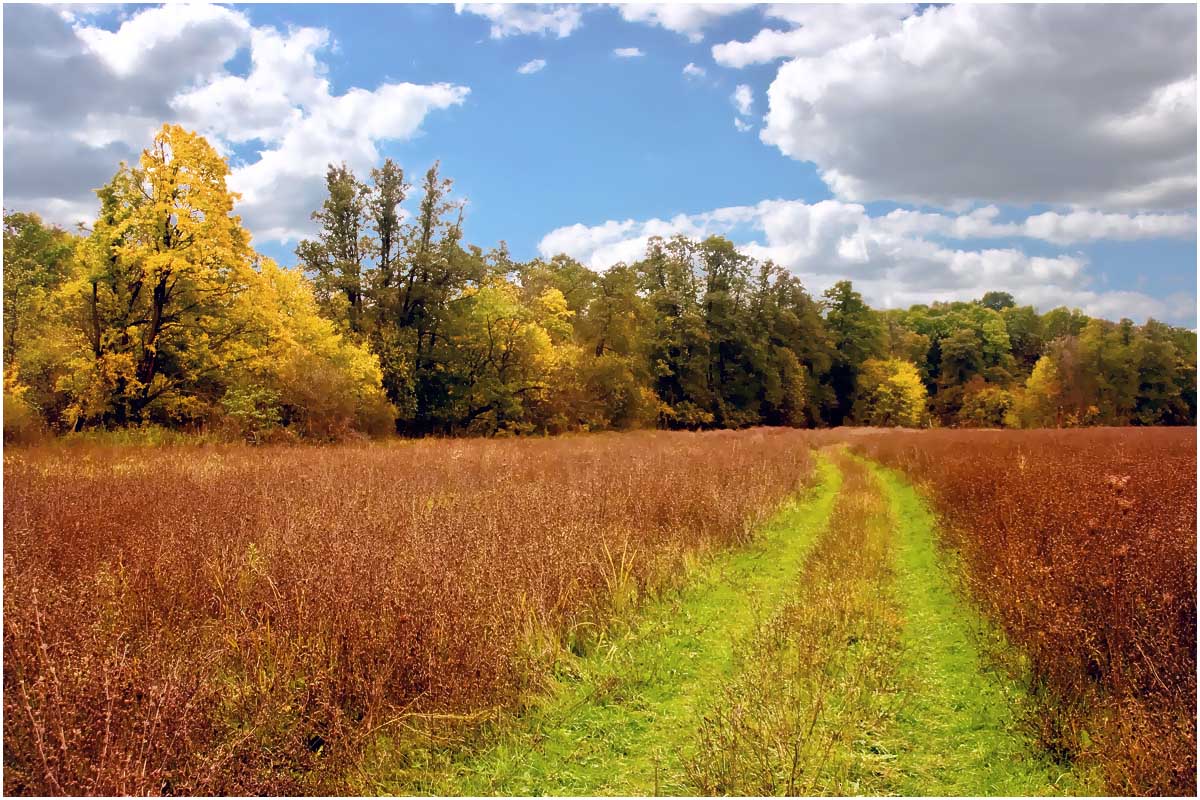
x=589 y=137
x=925 y=153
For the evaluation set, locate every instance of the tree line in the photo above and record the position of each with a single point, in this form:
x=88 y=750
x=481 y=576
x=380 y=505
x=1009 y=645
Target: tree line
x=162 y=314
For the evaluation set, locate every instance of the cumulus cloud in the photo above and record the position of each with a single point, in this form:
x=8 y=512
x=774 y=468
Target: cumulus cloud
x=743 y=99
x=688 y=19
x=282 y=187
x=70 y=115
x=741 y=125
x=542 y=19
x=1009 y=104
x=78 y=99
x=692 y=71
x=628 y=52
x=530 y=67
x=816 y=29
x=896 y=259
x=202 y=36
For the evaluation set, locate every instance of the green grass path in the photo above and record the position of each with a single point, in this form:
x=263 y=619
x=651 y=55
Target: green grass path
x=955 y=730
x=626 y=720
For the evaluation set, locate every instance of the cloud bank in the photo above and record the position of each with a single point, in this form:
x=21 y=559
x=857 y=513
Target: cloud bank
x=905 y=257
x=1009 y=104
x=79 y=99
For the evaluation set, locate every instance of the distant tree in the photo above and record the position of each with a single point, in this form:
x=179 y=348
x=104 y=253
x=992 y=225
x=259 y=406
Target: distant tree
x=36 y=261
x=678 y=342
x=907 y=344
x=1159 y=394
x=1185 y=372
x=164 y=314
x=382 y=208
x=1062 y=321
x=573 y=280
x=167 y=316
x=335 y=258
x=984 y=405
x=1040 y=403
x=320 y=381
x=506 y=353
x=890 y=393
x=997 y=301
x=160 y=299
x=857 y=335
x=1026 y=339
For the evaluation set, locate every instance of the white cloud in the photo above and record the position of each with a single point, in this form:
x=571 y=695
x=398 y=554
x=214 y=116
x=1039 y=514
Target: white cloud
x=895 y=260
x=530 y=67
x=743 y=99
x=628 y=52
x=1072 y=227
x=692 y=71
x=741 y=125
x=1017 y=104
x=84 y=99
x=1086 y=226
x=512 y=19
x=286 y=183
x=202 y=36
x=688 y=19
x=285 y=77
x=816 y=29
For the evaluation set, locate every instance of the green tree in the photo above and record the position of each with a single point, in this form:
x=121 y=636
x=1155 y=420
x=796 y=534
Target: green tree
x=1026 y=337
x=1160 y=397
x=335 y=258
x=984 y=405
x=382 y=208
x=1062 y=321
x=678 y=340
x=37 y=259
x=997 y=301
x=857 y=336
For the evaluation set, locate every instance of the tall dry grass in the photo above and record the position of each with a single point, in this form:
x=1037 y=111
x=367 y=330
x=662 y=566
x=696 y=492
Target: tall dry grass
x=1082 y=545
x=239 y=620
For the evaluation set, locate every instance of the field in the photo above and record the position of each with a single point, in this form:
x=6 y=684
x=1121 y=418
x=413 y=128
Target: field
x=1082 y=546
x=755 y=612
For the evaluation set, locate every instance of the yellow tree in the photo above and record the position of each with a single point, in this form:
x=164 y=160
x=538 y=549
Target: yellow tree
x=506 y=353
x=304 y=373
x=890 y=393
x=1040 y=403
x=159 y=299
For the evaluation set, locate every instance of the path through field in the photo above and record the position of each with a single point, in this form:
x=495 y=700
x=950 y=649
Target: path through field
x=829 y=657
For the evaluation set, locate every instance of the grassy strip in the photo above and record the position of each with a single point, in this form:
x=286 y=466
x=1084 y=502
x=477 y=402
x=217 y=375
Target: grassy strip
x=804 y=714
x=619 y=721
x=956 y=731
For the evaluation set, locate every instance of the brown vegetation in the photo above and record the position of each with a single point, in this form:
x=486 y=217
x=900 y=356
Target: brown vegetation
x=1082 y=545
x=239 y=620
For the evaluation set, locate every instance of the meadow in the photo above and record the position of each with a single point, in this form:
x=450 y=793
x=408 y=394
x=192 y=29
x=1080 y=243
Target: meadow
x=236 y=620
x=1081 y=545
x=449 y=615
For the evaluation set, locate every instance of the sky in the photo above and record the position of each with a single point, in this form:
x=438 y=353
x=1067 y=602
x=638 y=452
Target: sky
x=923 y=152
